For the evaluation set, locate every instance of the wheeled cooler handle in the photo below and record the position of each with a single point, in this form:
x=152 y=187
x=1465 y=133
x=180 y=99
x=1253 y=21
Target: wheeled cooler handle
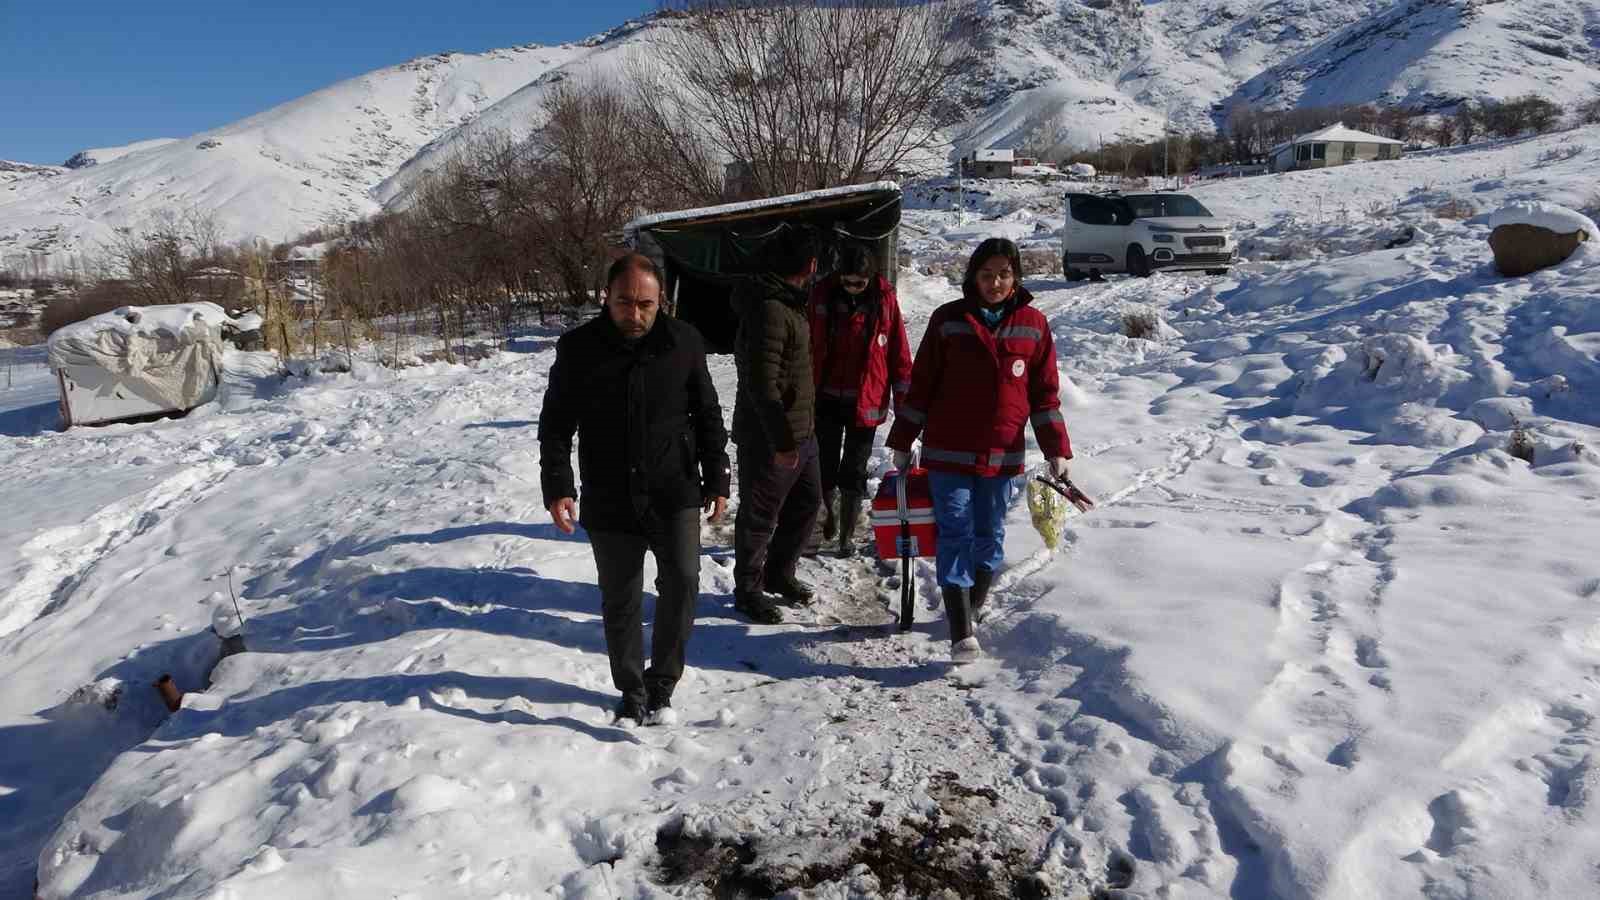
x=908 y=591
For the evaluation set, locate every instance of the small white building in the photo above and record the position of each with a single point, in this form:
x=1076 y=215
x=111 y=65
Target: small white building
x=990 y=163
x=1335 y=145
x=138 y=361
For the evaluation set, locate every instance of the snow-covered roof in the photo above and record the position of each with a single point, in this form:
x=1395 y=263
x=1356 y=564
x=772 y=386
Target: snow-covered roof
x=632 y=228
x=182 y=321
x=994 y=155
x=1558 y=219
x=1338 y=132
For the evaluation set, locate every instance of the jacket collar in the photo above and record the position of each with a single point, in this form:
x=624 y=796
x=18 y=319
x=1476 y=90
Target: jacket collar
x=971 y=302
x=791 y=295
x=659 y=337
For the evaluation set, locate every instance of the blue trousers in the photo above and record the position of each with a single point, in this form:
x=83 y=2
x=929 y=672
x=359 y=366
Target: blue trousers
x=971 y=512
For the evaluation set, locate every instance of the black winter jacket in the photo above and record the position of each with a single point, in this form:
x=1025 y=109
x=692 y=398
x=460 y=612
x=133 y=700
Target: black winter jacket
x=650 y=435
x=777 y=397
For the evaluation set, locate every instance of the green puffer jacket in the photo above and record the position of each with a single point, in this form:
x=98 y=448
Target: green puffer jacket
x=773 y=353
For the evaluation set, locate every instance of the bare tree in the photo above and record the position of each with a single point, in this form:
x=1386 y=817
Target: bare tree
x=172 y=258
x=1588 y=111
x=1468 y=119
x=807 y=95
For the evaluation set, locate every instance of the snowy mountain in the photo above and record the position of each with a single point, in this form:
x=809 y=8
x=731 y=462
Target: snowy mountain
x=310 y=161
x=1101 y=69
x=1124 y=67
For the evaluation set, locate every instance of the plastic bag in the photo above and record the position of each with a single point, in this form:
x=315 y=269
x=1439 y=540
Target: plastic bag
x=1049 y=511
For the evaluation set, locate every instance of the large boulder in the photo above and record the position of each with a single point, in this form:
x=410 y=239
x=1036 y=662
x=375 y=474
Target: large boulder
x=1527 y=237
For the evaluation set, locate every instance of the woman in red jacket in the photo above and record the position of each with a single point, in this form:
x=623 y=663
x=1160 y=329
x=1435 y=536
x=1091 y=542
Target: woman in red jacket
x=859 y=356
x=985 y=370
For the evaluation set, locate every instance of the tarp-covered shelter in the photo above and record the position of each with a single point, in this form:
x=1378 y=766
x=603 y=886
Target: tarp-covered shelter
x=138 y=361
x=704 y=252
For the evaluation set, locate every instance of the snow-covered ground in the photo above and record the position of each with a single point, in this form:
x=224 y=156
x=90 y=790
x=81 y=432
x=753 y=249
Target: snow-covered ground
x=1324 y=636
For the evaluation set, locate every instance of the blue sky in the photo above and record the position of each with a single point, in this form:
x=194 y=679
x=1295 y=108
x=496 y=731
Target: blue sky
x=91 y=73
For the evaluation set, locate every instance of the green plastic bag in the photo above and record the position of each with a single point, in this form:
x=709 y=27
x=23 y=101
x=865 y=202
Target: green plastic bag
x=1049 y=511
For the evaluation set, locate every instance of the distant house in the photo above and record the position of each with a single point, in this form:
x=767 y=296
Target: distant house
x=1335 y=145
x=990 y=163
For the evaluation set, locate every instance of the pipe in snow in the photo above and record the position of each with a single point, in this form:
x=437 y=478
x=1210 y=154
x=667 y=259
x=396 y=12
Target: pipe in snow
x=170 y=695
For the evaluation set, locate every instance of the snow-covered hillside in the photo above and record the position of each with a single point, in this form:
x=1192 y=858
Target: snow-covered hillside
x=307 y=162
x=1102 y=68
x=1113 y=68
x=1324 y=637
x=95 y=156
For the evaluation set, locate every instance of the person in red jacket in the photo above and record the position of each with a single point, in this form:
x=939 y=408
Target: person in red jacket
x=859 y=356
x=985 y=369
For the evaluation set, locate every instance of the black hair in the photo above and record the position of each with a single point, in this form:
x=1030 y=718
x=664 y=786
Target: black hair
x=856 y=259
x=789 y=252
x=986 y=251
x=634 y=262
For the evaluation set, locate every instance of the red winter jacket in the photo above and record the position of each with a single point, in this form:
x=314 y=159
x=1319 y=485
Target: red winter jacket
x=858 y=366
x=973 y=390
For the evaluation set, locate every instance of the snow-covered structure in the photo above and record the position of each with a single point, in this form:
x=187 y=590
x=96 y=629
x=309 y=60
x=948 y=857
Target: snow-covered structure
x=990 y=163
x=704 y=251
x=1335 y=145
x=138 y=361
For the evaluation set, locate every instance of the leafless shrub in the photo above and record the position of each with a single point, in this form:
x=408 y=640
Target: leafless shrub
x=1141 y=323
x=1521 y=445
x=100 y=297
x=1380 y=209
x=1041 y=261
x=1457 y=208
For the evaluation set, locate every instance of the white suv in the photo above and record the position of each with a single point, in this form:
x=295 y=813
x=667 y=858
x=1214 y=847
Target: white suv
x=1140 y=233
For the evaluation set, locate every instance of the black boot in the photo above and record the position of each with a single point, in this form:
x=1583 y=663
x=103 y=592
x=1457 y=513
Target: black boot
x=982 y=580
x=756 y=608
x=956 y=610
x=793 y=591
x=830 y=525
x=849 y=513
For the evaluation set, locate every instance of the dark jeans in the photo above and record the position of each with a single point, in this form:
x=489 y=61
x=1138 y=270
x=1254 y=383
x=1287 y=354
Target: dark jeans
x=845 y=448
x=619 y=556
x=777 y=510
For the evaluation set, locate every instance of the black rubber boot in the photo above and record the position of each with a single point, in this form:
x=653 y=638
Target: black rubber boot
x=982 y=580
x=793 y=591
x=956 y=610
x=830 y=525
x=849 y=514
x=756 y=608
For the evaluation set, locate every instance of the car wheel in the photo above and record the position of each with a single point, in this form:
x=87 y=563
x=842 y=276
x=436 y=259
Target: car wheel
x=1217 y=271
x=1138 y=263
x=1069 y=272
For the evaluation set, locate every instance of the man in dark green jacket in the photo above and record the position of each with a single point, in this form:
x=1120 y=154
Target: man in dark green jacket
x=780 y=482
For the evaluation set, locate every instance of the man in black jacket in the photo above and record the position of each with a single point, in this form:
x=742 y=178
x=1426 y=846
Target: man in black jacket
x=651 y=454
x=780 y=479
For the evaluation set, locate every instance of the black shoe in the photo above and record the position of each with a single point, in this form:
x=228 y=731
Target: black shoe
x=629 y=708
x=956 y=610
x=849 y=514
x=982 y=580
x=659 y=711
x=757 y=608
x=793 y=591
x=830 y=525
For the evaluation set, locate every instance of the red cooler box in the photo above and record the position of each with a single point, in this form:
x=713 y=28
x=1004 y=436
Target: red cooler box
x=900 y=500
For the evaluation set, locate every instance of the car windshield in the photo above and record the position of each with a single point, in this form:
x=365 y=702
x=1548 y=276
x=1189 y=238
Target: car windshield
x=1149 y=206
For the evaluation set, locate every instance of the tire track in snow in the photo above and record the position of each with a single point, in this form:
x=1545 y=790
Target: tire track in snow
x=61 y=559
